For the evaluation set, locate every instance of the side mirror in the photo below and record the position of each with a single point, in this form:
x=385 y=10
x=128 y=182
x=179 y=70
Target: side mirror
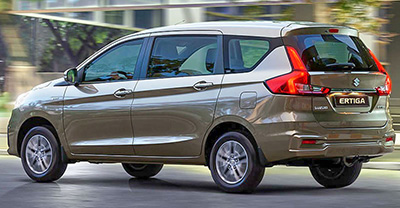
x=71 y=76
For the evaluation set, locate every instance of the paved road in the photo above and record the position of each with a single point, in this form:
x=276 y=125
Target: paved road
x=107 y=185
x=3 y=141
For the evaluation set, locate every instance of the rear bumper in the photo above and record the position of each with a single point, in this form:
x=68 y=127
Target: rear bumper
x=283 y=141
x=340 y=147
x=282 y=122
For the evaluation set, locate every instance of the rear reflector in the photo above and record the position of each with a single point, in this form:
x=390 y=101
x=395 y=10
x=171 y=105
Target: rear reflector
x=389 y=139
x=387 y=88
x=309 y=141
x=389 y=142
x=297 y=82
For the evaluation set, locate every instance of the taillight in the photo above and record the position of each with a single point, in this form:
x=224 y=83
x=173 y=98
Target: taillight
x=387 y=88
x=295 y=59
x=296 y=82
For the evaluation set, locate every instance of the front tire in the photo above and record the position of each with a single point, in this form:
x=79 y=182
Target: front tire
x=336 y=175
x=41 y=155
x=142 y=171
x=234 y=165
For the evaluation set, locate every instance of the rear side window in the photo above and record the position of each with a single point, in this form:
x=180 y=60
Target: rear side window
x=243 y=53
x=176 y=56
x=332 y=52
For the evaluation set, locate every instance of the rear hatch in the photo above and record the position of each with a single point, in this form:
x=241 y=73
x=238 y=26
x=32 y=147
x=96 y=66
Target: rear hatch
x=339 y=61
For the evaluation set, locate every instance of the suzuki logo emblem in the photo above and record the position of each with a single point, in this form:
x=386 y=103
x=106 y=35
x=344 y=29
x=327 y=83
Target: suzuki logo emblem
x=356 y=82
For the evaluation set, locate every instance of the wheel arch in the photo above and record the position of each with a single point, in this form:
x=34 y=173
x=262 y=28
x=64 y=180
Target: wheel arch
x=30 y=123
x=226 y=124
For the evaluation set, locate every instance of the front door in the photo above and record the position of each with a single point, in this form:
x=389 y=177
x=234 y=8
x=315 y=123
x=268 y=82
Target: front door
x=97 y=112
x=176 y=96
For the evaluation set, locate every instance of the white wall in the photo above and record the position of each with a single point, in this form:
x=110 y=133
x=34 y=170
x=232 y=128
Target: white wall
x=370 y=41
x=175 y=16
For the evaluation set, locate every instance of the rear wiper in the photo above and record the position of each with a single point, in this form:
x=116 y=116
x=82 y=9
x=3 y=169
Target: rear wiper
x=368 y=68
x=342 y=66
x=339 y=67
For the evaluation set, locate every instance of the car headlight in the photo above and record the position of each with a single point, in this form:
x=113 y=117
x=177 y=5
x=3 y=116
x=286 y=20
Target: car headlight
x=20 y=99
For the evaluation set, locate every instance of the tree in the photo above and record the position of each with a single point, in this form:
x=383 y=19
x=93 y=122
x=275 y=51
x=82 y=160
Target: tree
x=5 y=5
x=357 y=14
x=76 y=41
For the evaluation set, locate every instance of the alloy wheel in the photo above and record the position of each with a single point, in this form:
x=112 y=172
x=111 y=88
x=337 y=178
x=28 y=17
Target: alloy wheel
x=231 y=162
x=39 y=154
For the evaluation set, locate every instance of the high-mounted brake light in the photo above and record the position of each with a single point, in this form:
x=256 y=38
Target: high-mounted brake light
x=387 y=88
x=333 y=30
x=297 y=82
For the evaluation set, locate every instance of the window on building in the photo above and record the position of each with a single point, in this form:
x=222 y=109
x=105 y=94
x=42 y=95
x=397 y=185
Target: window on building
x=82 y=3
x=56 y=3
x=114 y=17
x=132 y=2
x=81 y=15
x=147 y=18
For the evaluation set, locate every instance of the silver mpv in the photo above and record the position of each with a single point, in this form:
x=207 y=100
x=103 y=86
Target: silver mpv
x=234 y=96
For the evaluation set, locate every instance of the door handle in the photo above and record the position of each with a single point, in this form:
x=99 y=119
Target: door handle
x=202 y=85
x=121 y=93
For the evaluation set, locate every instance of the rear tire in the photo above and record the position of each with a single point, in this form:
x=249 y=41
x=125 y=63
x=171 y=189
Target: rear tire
x=142 y=171
x=41 y=155
x=234 y=165
x=336 y=175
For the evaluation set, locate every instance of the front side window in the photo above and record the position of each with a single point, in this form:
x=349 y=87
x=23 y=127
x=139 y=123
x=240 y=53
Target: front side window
x=119 y=63
x=245 y=52
x=175 y=56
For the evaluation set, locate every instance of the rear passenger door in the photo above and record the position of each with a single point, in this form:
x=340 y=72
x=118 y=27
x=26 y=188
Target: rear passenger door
x=176 y=95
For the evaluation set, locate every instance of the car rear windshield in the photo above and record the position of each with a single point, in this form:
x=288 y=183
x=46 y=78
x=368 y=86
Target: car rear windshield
x=332 y=52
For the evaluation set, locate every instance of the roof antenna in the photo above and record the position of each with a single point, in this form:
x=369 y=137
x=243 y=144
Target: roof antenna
x=183 y=21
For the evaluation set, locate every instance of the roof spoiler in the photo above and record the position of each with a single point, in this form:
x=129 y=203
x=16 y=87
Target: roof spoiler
x=334 y=30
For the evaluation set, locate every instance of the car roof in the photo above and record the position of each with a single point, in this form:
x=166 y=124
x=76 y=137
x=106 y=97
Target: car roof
x=250 y=28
